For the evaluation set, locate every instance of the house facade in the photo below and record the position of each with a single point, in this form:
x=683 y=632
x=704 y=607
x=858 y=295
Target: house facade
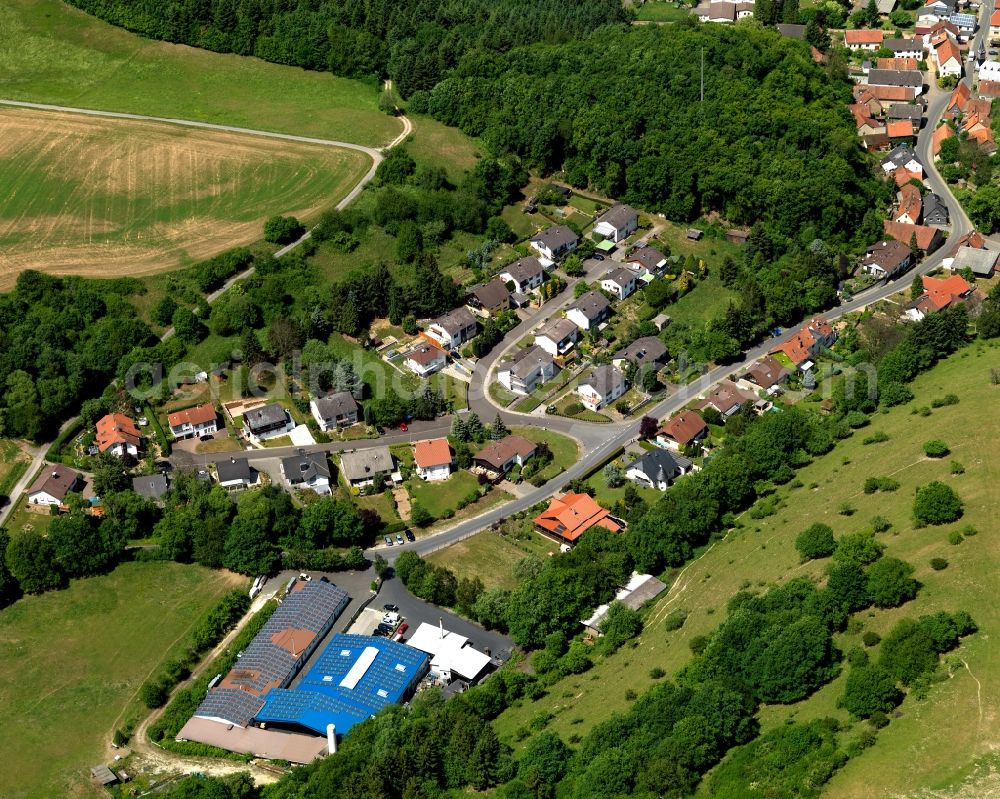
x=307 y=470
x=201 y=420
x=570 y=516
x=863 y=39
x=236 y=474
x=426 y=360
x=658 y=468
x=433 y=459
x=51 y=486
x=335 y=410
x=554 y=242
x=269 y=421
x=453 y=329
x=886 y=259
x=527 y=369
x=360 y=468
x=621 y=282
x=682 y=430
x=617 y=223
x=604 y=385
x=497 y=458
x=489 y=299
x=589 y=310
x=643 y=352
x=557 y=337
x=526 y=274
x=118 y=435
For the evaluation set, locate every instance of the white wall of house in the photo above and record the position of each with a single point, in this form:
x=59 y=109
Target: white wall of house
x=434 y=473
x=42 y=498
x=189 y=430
x=578 y=318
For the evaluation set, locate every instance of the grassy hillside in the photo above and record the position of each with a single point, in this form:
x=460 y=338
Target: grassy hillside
x=938 y=738
x=52 y=53
x=71 y=663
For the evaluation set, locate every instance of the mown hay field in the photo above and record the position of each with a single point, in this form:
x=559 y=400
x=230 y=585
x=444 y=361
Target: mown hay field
x=108 y=198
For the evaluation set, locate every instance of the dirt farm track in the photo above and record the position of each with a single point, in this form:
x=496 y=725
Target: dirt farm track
x=107 y=197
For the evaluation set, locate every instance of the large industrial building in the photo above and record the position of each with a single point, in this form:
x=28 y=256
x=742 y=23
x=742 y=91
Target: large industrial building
x=253 y=710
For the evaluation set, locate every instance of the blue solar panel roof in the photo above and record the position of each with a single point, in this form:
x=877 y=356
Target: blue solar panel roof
x=320 y=699
x=314 y=607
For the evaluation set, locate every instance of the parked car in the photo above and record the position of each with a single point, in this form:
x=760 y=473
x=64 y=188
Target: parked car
x=388 y=541
x=391 y=608
x=597 y=256
x=403 y=427
x=399 y=539
x=409 y=537
x=402 y=628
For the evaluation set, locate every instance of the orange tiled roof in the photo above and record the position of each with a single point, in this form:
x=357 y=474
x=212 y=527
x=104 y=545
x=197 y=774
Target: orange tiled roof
x=433 y=452
x=939 y=136
x=943 y=292
x=864 y=37
x=570 y=517
x=197 y=415
x=798 y=348
x=899 y=128
x=684 y=428
x=901 y=231
x=910 y=202
x=904 y=176
x=116 y=428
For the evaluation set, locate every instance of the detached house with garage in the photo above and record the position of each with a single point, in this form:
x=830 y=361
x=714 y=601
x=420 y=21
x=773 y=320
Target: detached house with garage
x=198 y=421
x=554 y=242
x=269 y=421
x=604 y=385
x=307 y=470
x=589 y=310
x=570 y=516
x=646 y=261
x=617 y=223
x=334 y=410
x=527 y=369
x=453 y=329
x=643 y=352
x=526 y=274
x=361 y=467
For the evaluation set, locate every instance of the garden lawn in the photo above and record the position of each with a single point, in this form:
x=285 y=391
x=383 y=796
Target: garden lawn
x=659 y=11
x=52 y=53
x=440 y=496
x=491 y=557
x=945 y=729
x=71 y=663
x=438 y=145
x=565 y=450
x=704 y=302
x=379 y=503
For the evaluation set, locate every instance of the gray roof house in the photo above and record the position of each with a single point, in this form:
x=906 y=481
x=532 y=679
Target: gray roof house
x=589 y=310
x=935 y=211
x=360 y=467
x=648 y=258
x=619 y=281
x=267 y=421
x=335 y=410
x=604 y=385
x=557 y=336
x=617 y=223
x=896 y=77
x=307 y=470
x=235 y=474
x=657 y=468
x=645 y=351
x=524 y=273
x=152 y=486
x=526 y=370
x=912 y=48
x=909 y=111
x=452 y=329
x=554 y=241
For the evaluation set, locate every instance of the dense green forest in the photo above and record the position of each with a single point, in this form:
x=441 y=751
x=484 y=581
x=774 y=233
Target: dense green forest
x=416 y=42
x=620 y=111
x=60 y=341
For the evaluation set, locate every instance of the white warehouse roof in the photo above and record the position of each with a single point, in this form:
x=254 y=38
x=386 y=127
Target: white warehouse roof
x=449 y=652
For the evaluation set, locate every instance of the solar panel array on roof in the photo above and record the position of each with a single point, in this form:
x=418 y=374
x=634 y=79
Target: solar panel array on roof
x=265 y=665
x=235 y=706
x=353 y=679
